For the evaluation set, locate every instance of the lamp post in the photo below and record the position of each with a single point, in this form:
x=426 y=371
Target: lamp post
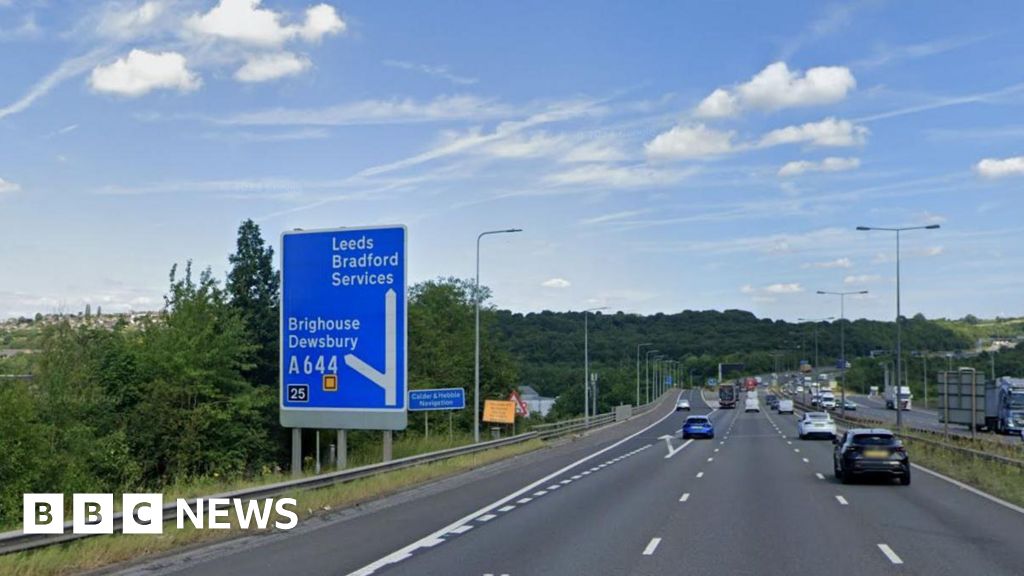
x=647 y=374
x=638 y=347
x=586 y=363
x=899 y=331
x=842 y=341
x=816 y=321
x=476 y=352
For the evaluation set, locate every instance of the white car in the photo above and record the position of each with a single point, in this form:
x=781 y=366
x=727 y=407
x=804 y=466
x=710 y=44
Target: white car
x=816 y=424
x=785 y=407
x=752 y=405
x=683 y=404
x=827 y=401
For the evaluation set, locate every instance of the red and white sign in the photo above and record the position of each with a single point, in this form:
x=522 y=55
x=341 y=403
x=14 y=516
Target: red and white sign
x=521 y=408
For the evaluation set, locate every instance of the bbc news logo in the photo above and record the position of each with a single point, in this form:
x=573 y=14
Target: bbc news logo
x=143 y=513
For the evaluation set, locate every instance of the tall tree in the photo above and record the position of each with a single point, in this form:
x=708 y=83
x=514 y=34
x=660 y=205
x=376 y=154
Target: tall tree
x=253 y=286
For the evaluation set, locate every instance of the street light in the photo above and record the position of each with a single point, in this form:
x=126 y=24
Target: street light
x=647 y=374
x=899 y=330
x=638 y=347
x=476 y=353
x=816 y=321
x=842 y=340
x=586 y=363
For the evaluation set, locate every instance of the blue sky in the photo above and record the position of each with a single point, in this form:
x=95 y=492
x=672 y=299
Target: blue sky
x=675 y=156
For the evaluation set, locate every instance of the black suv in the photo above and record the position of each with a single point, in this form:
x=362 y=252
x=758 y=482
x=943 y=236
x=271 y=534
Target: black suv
x=870 y=451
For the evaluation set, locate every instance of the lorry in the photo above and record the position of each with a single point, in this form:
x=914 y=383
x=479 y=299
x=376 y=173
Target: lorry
x=727 y=396
x=998 y=405
x=905 y=397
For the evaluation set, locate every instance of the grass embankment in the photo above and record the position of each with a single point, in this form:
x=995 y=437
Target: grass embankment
x=100 y=551
x=1001 y=480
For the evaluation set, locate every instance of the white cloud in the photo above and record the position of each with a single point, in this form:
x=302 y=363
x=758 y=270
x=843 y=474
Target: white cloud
x=610 y=176
x=597 y=150
x=830 y=164
x=778 y=87
x=1000 y=167
x=123 y=20
x=377 y=112
x=271 y=67
x=837 y=263
x=828 y=132
x=690 y=142
x=8 y=187
x=67 y=69
x=792 y=288
x=321 y=20
x=934 y=251
x=525 y=146
x=862 y=279
x=612 y=217
x=246 y=22
x=436 y=71
x=556 y=283
x=765 y=293
x=141 y=72
x=718 y=104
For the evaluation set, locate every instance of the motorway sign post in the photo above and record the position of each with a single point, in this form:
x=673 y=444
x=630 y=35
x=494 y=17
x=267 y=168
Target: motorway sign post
x=343 y=328
x=437 y=399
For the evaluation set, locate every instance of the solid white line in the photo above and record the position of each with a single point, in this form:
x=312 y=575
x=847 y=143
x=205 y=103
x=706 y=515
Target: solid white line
x=890 y=554
x=842 y=500
x=700 y=474
x=819 y=475
x=407 y=550
x=684 y=497
x=508 y=508
x=970 y=489
x=652 y=546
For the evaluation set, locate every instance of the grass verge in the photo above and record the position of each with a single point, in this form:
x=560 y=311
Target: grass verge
x=1001 y=480
x=100 y=551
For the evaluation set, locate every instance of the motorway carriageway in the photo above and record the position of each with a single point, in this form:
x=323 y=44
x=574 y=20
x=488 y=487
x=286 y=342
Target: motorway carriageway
x=753 y=501
x=922 y=419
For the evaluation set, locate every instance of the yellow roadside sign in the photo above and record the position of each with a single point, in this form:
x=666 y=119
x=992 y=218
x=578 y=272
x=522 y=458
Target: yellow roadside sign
x=499 y=411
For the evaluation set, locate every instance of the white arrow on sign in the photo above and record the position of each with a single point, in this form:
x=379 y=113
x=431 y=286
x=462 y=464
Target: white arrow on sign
x=388 y=380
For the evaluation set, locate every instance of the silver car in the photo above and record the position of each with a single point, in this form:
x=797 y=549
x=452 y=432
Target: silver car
x=816 y=425
x=683 y=404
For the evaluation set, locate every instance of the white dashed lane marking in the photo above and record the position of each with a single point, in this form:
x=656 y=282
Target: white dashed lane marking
x=684 y=497
x=487 y=517
x=508 y=508
x=700 y=474
x=890 y=554
x=652 y=546
x=842 y=500
x=462 y=529
x=819 y=475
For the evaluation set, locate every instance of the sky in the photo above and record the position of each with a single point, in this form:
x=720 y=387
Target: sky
x=658 y=156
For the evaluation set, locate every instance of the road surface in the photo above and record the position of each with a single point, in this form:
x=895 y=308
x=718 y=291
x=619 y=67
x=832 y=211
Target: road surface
x=755 y=500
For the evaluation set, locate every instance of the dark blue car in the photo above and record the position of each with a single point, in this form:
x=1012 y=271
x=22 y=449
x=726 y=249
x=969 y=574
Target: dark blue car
x=698 y=427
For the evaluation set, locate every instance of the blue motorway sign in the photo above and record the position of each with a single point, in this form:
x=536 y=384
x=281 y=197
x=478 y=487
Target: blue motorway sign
x=437 y=399
x=343 y=328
